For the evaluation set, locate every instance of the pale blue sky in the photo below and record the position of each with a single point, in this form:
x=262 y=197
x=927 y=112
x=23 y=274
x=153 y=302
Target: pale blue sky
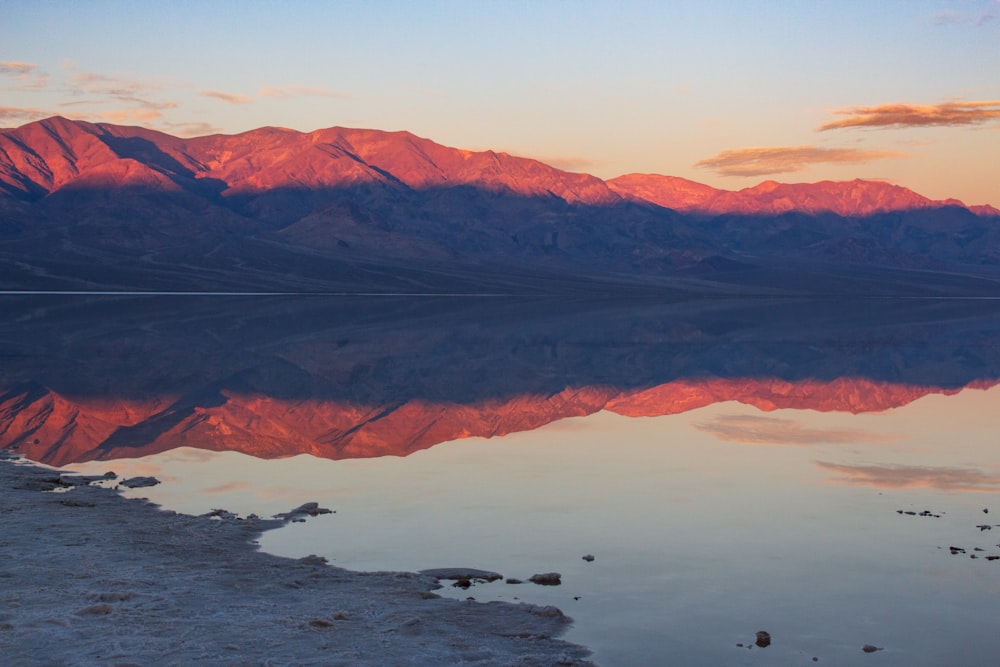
x=603 y=87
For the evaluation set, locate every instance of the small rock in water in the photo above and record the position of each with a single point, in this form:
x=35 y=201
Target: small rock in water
x=763 y=638
x=589 y=558
x=460 y=573
x=512 y=580
x=870 y=648
x=139 y=482
x=546 y=579
x=298 y=514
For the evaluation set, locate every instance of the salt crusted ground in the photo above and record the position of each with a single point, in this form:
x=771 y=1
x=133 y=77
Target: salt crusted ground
x=90 y=578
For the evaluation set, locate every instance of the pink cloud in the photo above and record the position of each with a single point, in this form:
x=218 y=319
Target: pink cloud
x=228 y=98
x=760 y=161
x=915 y=115
x=24 y=114
x=297 y=90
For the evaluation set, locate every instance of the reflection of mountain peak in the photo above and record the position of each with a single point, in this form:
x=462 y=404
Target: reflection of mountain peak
x=345 y=378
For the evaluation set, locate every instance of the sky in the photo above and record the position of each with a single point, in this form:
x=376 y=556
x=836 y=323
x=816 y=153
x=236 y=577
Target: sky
x=728 y=93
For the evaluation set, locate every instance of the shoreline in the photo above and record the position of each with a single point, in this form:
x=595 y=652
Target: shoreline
x=91 y=577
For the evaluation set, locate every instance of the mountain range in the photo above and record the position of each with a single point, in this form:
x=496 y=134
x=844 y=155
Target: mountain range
x=104 y=207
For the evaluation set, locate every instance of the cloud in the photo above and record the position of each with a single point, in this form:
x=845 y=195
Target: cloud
x=916 y=115
x=757 y=430
x=191 y=129
x=892 y=476
x=761 y=161
x=16 y=69
x=977 y=19
x=131 y=115
x=27 y=75
x=296 y=90
x=228 y=98
x=24 y=114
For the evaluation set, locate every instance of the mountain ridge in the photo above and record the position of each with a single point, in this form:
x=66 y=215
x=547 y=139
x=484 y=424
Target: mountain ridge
x=104 y=207
x=255 y=160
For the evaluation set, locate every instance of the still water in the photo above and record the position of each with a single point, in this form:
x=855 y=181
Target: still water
x=802 y=469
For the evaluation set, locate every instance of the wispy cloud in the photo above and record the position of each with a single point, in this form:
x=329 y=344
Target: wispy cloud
x=916 y=115
x=228 y=98
x=977 y=19
x=22 y=114
x=760 y=161
x=894 y=476
x=141 y=115
x=27 y=76
x=11 y=68
x=297 y=90
x=191 y=129
x=758 y=430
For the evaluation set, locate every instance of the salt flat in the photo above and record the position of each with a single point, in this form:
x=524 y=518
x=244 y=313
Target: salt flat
x=89 y=577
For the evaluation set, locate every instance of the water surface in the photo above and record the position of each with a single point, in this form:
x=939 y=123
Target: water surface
x=732 y=467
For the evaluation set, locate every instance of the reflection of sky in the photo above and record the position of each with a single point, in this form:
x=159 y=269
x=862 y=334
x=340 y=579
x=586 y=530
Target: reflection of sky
x=693 y=531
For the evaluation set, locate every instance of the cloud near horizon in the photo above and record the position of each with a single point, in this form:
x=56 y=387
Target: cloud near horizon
x=946 y=114
x=13 y=68
x=894 y=476
x=228 y=98
x=758 y=430
x=26 y=114
x=26 y=75
x=764 y=160
x=297 y=90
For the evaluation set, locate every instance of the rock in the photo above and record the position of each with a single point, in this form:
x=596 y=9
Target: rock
x=460 y=573
x=763 y=638
x=870 y=648
x=298 y=514
x=512 y=580
x=956 y=550
x=84 y=480
x=111 y=597
x=320 y=623
x=984 y=526
x=546 y=579
x=313 y=559
x=547 y=611
x=589 y=558
x=96 y=610
x=139 y=482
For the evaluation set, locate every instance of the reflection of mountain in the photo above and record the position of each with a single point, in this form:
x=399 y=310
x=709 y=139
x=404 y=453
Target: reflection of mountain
x=100 y=206
x=108 y=377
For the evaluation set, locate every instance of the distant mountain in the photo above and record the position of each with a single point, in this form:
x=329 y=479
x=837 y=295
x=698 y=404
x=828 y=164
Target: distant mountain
x=107 y=207
x=844 y=198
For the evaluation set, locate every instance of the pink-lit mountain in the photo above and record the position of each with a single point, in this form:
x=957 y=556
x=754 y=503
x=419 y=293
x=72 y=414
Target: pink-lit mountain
x=100 y=206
